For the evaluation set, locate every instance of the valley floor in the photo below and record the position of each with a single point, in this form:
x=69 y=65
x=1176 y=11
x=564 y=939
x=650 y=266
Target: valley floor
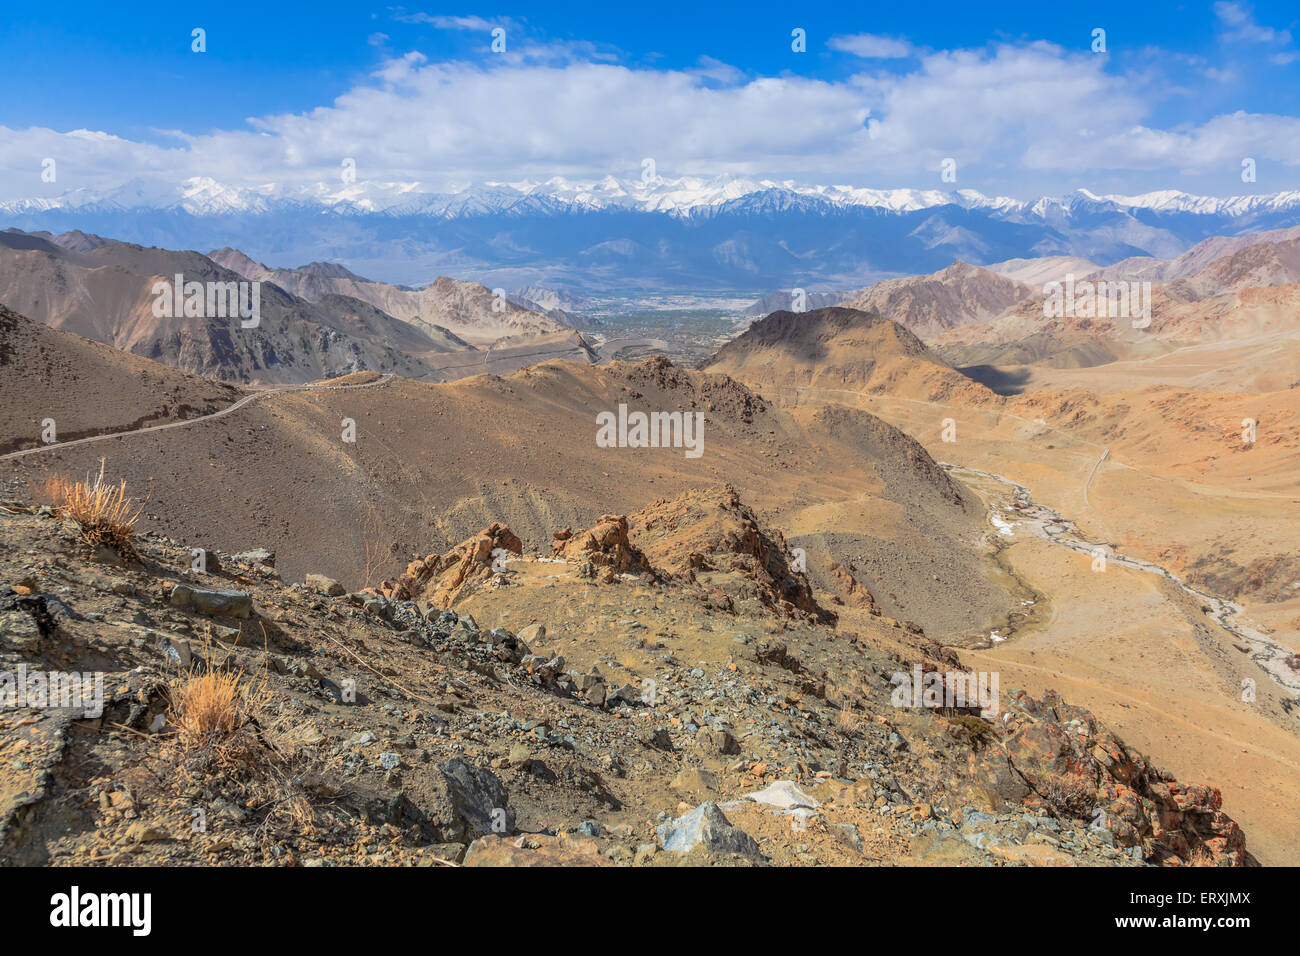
x=1131 y=646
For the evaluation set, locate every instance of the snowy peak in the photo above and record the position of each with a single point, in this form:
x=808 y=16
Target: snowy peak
x=683 y=196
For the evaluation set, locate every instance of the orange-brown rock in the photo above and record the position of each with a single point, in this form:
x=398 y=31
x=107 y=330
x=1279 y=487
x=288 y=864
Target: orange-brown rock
x=439 y=579
x=709 y=537
x=1053 y=755
x=847 y=587
x=605 y=545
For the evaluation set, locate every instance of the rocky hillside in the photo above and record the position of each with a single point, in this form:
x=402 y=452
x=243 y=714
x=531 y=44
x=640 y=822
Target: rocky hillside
x=107 y=294
x=466 y=309
x=47 y=373
x=543 y=718
x=928 y=304
x=842 y=348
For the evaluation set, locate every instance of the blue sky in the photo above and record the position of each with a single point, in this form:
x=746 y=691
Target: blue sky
x=1183 y=93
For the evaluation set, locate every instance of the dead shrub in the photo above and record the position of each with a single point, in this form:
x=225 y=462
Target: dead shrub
x=971 y=731
x=1068 y=796
x=106 y=514
x=219 y=717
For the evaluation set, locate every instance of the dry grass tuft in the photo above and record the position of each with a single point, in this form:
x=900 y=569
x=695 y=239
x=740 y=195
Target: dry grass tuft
x=219 y=715
x=1068 y=796
x=106 y=514
x=1201 y=857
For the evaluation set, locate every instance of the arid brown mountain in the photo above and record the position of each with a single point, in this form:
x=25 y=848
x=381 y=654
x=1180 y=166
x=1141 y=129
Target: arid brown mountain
x=929 y=304
x=467 y=309
x=1251 y=267
x=1195 y=259
x=83 y=387
x=108 y=293
x=841 y=348
x=1248 y=294
x=432 y=464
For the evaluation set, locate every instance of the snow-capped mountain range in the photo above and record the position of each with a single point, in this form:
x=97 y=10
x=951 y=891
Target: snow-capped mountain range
x=685 y=196
x=685 y=233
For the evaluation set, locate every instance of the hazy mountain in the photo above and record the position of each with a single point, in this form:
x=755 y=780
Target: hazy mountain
x=783 y=300
x=108 y=294
x=670 y=234
x=1036 y=272
x=465 y=309
x=1249 y=293
x=958 y=295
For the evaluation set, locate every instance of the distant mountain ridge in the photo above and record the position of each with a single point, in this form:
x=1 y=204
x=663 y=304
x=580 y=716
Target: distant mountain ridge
x=465 y=309
x=321 y=321
x=958 y=295
x=688 y=233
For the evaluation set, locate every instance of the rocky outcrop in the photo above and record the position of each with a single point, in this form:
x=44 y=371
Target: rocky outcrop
x=705 y=392
x=604 y=546
x=1058 y=757
x=848 y=589
x=712 y=538
x=440 y=579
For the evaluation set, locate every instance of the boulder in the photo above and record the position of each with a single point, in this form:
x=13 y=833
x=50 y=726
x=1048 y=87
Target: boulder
x=605 y=547
x=1074 y=766
x=319 y=582
x=257 y=556
x=219 y=603
x=440 y=579
x=708 y=828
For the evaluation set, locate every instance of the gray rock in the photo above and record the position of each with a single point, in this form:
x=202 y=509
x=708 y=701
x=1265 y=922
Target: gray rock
x=256 y=556
x=784 y=794
x=532 y=634
x=706 y=826
x=176 y=651
x=326 y=585
x=847 y=833
x=205 y=601
x=627 y=694
x=716 y=740
x=479 y=798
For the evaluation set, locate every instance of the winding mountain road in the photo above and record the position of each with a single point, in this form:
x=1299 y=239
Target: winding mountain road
x=278 y=390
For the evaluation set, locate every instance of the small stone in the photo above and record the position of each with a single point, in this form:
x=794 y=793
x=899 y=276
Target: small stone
x=715 y=740
x=784 y=794
x=143 y=833
x=256 y=556
x=644 y=853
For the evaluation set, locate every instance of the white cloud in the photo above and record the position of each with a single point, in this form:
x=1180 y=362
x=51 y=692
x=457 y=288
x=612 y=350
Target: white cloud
x=1030 y=113
x=871 y=46
x=1239 y=24
x=447 y=23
